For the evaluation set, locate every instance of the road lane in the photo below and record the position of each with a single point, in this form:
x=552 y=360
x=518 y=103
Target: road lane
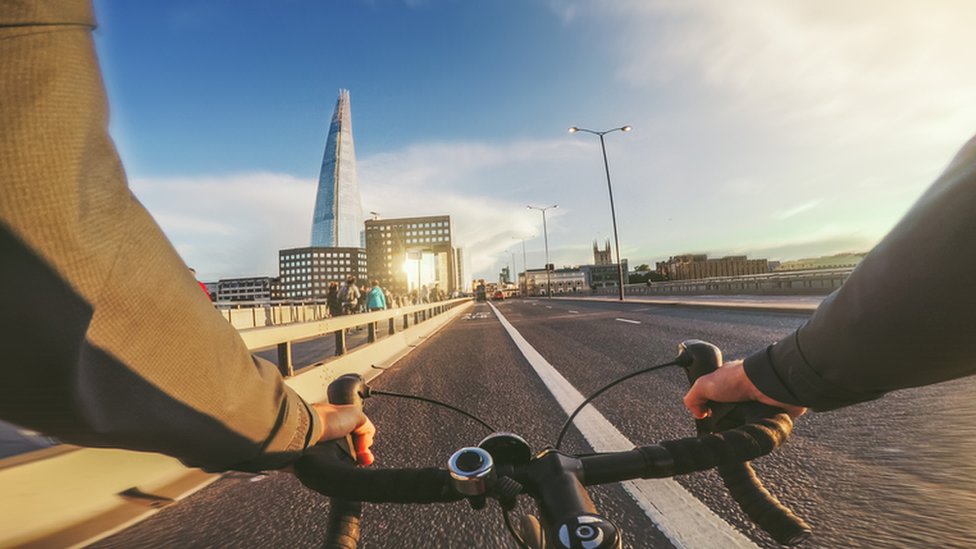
x=470 y=362
x=891 y=473
x=894 y=473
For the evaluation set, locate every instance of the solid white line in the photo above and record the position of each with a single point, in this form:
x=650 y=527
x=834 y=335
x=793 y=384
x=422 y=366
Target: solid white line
x=628 y=321
x=685 y=521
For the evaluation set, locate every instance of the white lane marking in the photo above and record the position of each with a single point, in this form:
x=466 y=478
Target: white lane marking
x=548 y=306
x=628 y=321
x=685 y=521
x=574 y=312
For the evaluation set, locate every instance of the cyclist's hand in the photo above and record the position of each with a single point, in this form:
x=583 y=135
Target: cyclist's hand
x=729 y=383
x=340 y=420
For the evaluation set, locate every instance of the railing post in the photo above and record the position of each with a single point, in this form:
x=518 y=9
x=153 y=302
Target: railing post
x=392 y=329
x=284 y=359
x=340 y=344
x=371 y=337
x=416 y=318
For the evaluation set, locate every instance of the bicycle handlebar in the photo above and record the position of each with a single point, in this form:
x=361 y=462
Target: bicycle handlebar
x=327 y=469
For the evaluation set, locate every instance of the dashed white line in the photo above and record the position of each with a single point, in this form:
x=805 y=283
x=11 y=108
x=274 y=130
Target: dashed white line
x=548 y=306
x=627 y=320
x=574 y=312
x=686 y=521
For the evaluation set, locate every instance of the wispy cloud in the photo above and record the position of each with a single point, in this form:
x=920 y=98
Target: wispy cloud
x=232 y=225
x=797 y=210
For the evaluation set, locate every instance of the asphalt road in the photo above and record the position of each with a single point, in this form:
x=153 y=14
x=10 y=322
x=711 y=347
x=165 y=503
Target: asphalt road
x=898 y=472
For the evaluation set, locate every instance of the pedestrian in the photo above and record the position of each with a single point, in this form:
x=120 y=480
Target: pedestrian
x=332 y=299
x=375 y=300
x=349 y=296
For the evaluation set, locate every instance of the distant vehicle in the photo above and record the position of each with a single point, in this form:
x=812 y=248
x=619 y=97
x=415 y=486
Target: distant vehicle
x=498 y=295
x=480 y=293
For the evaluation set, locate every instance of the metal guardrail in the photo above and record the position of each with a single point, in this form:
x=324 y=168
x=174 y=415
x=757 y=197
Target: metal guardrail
x=812 y=282
x=282 y=336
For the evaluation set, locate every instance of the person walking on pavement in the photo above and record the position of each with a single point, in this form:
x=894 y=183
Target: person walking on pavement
x=332 y=299
x=375 y=301
x=349 y=296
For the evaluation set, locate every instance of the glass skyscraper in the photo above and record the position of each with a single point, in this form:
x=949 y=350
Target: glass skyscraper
x=338 y=217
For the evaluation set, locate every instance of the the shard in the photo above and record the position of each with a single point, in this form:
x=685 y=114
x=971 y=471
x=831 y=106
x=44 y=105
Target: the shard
x=338 y=217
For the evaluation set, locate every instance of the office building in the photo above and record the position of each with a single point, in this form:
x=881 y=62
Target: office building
x=337 y=220
x=695 y=266
x=407 y=253
x=306 y=272
x=255 y=288
x=564 y=281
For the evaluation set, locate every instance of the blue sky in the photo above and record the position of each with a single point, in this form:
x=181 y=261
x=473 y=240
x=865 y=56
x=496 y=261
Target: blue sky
x=780 y=130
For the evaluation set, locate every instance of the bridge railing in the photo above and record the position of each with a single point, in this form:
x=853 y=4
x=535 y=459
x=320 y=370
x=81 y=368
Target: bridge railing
x=302 y=322
x=813 y=282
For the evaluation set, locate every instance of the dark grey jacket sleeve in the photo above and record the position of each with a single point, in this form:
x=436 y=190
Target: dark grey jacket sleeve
x=906 y=317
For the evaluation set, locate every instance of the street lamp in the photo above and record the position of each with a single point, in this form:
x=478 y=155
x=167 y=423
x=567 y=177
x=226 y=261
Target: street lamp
x=613 y=214
x=545 y=232
x=524 y=287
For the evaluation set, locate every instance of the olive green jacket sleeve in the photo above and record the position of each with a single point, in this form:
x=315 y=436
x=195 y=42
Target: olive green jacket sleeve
x=107 y=339
x=905 y=317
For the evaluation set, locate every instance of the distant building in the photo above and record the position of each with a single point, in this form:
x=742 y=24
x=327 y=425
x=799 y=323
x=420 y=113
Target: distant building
x=695 y=266
x=564 y=281
x=337 y=220
x=460 y=261
x=408 y=252
x=306 y=272
x=603 y=276
x=602 y=257
x=838 y=261
x=255 y=288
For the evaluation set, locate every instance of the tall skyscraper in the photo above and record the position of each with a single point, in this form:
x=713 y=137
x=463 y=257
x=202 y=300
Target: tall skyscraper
x=338 y=217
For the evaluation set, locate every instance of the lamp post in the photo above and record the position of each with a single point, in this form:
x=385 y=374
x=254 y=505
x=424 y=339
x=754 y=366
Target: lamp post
x=524 y=287
x=613 y=214
x=545 y=232
x=514 y=267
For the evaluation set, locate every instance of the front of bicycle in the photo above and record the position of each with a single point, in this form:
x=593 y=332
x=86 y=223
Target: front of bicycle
x=502 y=467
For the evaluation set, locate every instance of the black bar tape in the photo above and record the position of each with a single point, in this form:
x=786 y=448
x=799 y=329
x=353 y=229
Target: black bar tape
x=321 y=469
x=342 y=531
x=762 y=507
x=733 y=446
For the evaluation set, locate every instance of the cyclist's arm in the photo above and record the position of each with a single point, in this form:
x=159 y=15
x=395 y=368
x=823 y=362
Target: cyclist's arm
x=904 y=318
x=107 y=339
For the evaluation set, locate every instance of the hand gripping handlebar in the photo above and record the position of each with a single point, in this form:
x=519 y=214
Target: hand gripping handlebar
x=342 y=530
x=700 y=358
x=732 y=436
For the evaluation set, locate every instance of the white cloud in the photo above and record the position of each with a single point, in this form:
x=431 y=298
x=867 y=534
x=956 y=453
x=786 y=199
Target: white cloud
x=233 y=225
x=797 y=210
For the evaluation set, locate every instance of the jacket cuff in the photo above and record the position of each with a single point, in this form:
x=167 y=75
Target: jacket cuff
x=782 y=372
x=298 y=428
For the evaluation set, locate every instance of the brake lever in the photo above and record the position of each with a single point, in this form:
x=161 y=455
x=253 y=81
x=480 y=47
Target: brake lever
x=699 y=358
x=345 y=390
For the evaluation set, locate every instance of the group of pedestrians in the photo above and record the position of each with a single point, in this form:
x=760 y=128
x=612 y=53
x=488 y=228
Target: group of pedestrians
x=347 y=298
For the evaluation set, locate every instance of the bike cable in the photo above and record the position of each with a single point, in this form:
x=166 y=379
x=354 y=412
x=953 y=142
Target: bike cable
x=432 y=401
x=569 y=421
x=511 y=530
